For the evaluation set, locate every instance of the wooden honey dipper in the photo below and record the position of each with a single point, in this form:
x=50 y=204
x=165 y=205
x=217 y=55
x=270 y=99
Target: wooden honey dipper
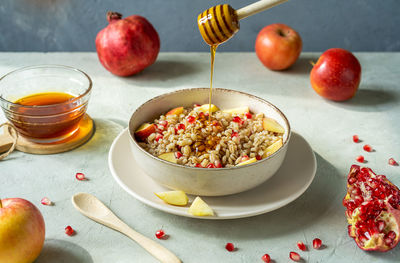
x=219 y=23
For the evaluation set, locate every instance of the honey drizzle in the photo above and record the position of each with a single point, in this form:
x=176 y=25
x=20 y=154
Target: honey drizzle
x=213 y=49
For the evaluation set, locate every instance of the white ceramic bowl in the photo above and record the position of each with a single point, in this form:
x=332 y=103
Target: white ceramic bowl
x=207 y=181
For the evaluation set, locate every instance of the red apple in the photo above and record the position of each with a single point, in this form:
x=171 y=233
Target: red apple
x=144 y=131
x=127 y=46
x=336 y=75
x=278 y=46
x=22 y=231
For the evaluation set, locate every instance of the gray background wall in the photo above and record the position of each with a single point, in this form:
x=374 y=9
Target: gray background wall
x=72 y=25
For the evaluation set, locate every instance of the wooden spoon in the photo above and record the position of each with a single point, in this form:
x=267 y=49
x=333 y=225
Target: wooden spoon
x=93 y=208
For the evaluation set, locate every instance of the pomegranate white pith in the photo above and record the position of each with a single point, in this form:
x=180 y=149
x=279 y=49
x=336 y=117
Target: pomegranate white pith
x=373 y=210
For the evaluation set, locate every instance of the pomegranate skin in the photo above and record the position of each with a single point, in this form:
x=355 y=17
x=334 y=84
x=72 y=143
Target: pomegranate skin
x=127 y=46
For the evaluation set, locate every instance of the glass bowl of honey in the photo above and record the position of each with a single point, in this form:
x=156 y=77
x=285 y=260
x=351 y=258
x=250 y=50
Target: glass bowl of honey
x=45 y=103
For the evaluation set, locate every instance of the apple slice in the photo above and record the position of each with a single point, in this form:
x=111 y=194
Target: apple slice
x=200 y=208
x=273 y=148
x=170 y=157
x=251 y=160
x=205 y=107
x=272 y=125
x=175 y=111
x=239 y=110
x=145 y=130
x=173 y=197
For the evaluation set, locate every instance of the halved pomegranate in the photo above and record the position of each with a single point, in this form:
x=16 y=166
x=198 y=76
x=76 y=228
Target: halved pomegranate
x=373 y=209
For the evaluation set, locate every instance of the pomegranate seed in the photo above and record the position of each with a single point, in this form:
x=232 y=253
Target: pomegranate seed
x=202 y=115
x=266 y=258
x=176 y=131
x=301 y=246
x=258 y=157
x=248 y=115
x=80 y=176
x=367 y=148
x=196 y=105
x=46 y=201
x=191 y=119
x=181 y=126
x=198 y=165
x=244 y=158
x=211 y=165
x=294 y=256
x=69 y=231
x=234 y=134
x=160 y=234
x=230 y=247
x=218 y=164
x=159 y=137
x=237 y=119
x=393 y=162
x=316 y=243
x=178 y=155
x=360 y=159
x=355 y=138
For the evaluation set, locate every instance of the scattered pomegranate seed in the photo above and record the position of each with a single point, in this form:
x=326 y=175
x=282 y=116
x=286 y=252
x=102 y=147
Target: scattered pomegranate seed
x=198 y=165
x=69 y=231
x=181 y=126
x=301 y=246
x=360 y=159
x=294 y=256
x=46 y=201
x=316 y=243
x=80 y=176
x=191 y=119
x=159 y=137
x=178 y=155
x=196 y=105
x=237 y=119
x=211 y=165
x=160 y=234
x=202 y=115
x=355 y=138
x=248 y=115
x=234 y=134
x=176 y=131
x=244 y=158
x=367 y=148
x=218 y=164
x=230 y=247
x=266 y=258
x=393 y=162
x=258 y=157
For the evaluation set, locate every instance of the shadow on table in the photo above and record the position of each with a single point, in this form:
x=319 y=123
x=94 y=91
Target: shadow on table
x=369 y=98
x=302 y=66
x=61 y=251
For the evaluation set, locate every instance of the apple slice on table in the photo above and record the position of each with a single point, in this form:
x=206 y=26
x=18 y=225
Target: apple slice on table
x=272 y=125
x=205 y=108
x=239 y=110
x=145 y=130
x=251 y=160
x=173 y=197
x=170 y=157
x=175 y=111
x=200 y=208
x=273 y=148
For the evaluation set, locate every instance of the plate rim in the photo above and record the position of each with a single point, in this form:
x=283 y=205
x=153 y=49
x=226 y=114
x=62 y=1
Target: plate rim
x=173 y=210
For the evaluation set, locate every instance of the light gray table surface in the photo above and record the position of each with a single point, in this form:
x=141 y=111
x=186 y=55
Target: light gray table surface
x=373 y=114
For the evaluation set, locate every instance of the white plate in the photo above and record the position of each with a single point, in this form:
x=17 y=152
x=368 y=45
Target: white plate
x=291 y=180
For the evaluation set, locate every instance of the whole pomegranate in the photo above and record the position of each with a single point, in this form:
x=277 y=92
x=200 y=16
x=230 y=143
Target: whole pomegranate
x=127 y=46
x=373 y=210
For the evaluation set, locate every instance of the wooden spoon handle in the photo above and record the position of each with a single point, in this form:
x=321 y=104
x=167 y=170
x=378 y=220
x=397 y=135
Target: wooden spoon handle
x=8 y=140
x=257 y=7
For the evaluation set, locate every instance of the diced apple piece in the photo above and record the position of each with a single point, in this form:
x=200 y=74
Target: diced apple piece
x=145 y=130
x=272 y=125
x=200 y=208
x=205 y=107
x=170 y=157
x=175 y=111
x=173 y=197
x=251 y=160
x=273 y=148
x=239 y=110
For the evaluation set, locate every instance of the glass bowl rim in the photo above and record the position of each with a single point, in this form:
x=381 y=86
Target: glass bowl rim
x=85 y=93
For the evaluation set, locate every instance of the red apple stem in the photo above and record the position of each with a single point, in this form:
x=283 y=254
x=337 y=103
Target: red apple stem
x=113 y=16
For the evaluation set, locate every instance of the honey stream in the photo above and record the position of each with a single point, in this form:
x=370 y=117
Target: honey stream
x=213 y=49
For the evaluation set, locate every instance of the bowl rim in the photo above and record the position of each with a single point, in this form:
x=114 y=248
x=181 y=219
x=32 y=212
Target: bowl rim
x=132 y=137
x=85 y=93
